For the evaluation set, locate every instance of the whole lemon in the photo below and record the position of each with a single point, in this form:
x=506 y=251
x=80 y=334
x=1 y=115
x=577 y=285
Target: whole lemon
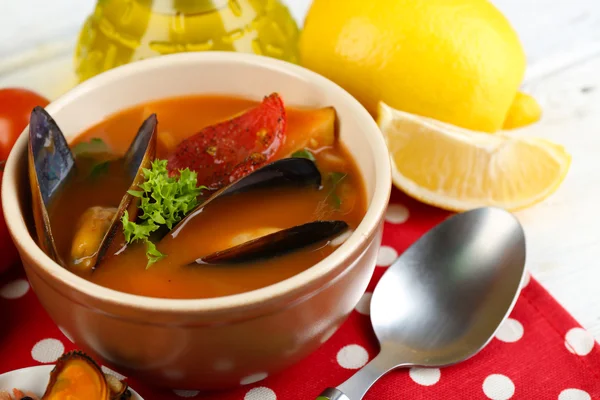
x=458 y=61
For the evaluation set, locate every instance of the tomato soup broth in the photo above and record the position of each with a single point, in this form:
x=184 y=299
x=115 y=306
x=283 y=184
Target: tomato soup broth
x=223 y=223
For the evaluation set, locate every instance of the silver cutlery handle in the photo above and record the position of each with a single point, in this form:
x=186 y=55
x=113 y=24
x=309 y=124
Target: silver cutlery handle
x=332 y=394
x=358 y=384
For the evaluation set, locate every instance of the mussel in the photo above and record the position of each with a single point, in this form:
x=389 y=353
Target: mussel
x=277 y=243
x=52 y=164
x=77 y=376
x=287 y=172
x=139 y=156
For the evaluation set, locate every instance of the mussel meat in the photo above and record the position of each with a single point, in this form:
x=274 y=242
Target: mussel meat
x=277 y=243
x=52 y=164
x=77 y=376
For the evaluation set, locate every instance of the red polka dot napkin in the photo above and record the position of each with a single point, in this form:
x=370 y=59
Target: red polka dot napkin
x=540 y=352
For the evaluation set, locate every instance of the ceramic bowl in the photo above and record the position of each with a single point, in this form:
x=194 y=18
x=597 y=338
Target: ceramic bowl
x=220 y=342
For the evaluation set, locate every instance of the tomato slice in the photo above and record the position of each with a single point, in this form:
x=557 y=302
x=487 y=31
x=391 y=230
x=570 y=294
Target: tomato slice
x=225 y=152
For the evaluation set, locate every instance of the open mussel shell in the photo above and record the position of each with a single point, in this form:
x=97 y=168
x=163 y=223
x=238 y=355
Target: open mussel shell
x=77 y=375
x=51 y=164
x=139 y=156
x=277 y=243
x=287 y=172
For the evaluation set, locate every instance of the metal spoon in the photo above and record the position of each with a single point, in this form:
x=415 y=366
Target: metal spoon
x=443 y=299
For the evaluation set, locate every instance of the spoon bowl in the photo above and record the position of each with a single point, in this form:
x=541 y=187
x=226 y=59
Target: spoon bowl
x=444 y=298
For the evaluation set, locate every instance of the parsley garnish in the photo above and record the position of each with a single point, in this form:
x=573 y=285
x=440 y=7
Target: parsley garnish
x=165 y=201
x=334 y=179
x=95 y=145
x=304 y=153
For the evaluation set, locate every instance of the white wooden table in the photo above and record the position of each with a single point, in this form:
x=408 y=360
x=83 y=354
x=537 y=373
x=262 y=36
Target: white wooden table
x=562 y=41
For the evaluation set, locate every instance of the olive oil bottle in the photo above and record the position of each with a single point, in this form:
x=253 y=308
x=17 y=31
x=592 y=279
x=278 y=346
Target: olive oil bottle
x=122 y=31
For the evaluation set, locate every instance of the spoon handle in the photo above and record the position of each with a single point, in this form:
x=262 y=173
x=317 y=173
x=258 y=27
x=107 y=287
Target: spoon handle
x=358 y=384
x=332 y=394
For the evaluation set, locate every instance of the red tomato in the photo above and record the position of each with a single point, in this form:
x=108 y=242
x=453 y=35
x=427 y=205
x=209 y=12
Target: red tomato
x=15 y=107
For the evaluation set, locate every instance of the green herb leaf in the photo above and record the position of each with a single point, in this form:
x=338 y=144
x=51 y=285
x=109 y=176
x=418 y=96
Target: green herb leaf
x=164 y=201
x=95 y=145
x=334 y=179
x=304 y=153
x=99 y=169
x=136 y=193
x=134 y=231
x=2 y=165
x=153 y=254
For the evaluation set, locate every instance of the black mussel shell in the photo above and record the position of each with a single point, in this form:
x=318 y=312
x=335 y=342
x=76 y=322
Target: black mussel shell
x=51 y=164
x=277 y=243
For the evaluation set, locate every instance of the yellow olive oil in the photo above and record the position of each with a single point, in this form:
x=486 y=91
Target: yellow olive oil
x=122 y=31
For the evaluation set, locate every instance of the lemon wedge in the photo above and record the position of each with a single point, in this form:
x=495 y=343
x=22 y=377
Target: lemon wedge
x=459 y=169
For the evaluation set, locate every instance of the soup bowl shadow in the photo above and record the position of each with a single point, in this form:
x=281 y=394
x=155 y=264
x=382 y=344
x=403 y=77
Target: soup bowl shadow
x=220 y=342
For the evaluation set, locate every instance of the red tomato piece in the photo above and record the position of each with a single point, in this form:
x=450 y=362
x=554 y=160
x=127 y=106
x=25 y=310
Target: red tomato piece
x=230 y=150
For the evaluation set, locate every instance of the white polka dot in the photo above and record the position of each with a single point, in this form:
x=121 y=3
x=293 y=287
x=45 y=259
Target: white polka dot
x=109 y=371
x=364 y=304
x=574 y=394
x=47 y=350
x=337 y=241
x=425 y=376
x=526 y=280
x=260 y=393
x=14 y=289
x=510 y=331
x=254 y=378
x=498 y=387
x=352 y=356
x=579 y=341
x=387 y=255
x=186 y=393
x=396 y=214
